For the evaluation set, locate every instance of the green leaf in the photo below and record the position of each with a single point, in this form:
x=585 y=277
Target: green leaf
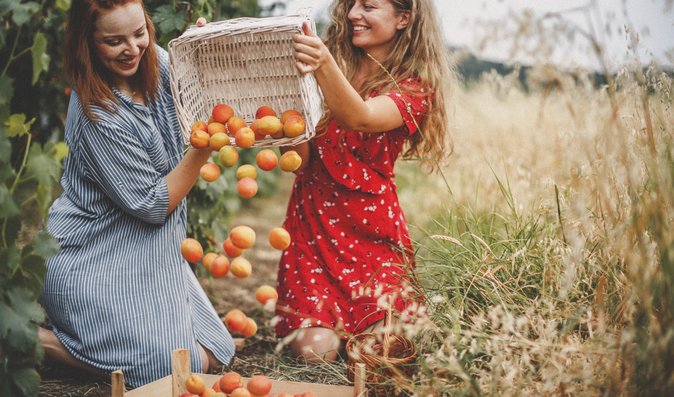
x=42 y=166
x=63 y=5
x=45 y=245
x=16 y=125
x=10 y=258
x=27 y=380
x=59 y=151
x=8 y=207
x=31 y=274
x=168 y=19
x=6 y=90
x=22 y=12
x=40 y=56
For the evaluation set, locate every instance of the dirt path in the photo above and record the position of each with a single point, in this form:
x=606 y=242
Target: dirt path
x=261 y=214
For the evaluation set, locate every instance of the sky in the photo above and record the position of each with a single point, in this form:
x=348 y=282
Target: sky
x=485 y=28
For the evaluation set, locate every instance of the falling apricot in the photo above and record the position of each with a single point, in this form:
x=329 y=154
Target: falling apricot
x=266 y=159
x=266 y=293
x=246 y=187
x=279 y=238
x=240 y=267
x=290 y=161
x=249 y=328
x=230 y=249
x=209 y=172
x=220 y=266
x=208 y=259
x=242 y=236
x=221 y=113
x=235 y=320
x=228 y=156
x=191 y=250
x=246 y=170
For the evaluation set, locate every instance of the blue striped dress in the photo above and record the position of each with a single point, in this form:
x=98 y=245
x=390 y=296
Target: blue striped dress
x=118 y=294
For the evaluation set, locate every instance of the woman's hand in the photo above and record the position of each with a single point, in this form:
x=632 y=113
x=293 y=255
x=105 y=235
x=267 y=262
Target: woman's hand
x=310 y=51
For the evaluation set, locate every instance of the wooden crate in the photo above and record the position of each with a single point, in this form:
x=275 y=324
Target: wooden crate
x=174 y=385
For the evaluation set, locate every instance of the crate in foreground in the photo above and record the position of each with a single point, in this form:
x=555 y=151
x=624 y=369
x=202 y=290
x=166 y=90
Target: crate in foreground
x=174 y=385
x=244 y=63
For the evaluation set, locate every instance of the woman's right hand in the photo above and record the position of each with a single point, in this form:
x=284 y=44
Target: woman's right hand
x=310 y=51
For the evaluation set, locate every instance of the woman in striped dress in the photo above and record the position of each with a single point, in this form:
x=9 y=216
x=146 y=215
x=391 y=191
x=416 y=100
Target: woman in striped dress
x=118 y=294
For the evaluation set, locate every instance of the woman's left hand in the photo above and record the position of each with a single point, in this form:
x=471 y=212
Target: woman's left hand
x=310 y=51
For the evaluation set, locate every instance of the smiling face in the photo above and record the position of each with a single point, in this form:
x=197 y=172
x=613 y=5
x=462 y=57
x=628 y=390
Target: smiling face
x=120 y=40
x=375 y=25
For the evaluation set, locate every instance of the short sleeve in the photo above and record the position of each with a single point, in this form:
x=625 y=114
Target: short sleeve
x=412 y=103
x=119 y=165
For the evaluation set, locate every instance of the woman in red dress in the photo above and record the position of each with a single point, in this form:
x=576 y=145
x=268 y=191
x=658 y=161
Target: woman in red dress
x=384 y=75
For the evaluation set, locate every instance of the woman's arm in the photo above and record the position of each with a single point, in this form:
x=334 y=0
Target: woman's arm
x=181 y=179
x=349 y=109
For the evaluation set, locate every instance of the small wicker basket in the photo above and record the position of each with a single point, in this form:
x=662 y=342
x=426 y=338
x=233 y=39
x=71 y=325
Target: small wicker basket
x=245 y=63
x=385 y=357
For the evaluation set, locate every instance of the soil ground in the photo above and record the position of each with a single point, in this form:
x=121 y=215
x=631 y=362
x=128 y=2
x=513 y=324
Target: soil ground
x=258 y=354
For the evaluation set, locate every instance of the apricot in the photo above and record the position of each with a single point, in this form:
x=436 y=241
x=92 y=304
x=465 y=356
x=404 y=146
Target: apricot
x=230 y=249
x=191 y=250
x=266 y=293
x=279 y=238
x=199 y=139
x=230 y=381
x=288 y=113
x=210 y=392
x=247 y=187
x=266 y=159
x=308 y=394
x=235 y=320
x=256 y=130
x=269 y=125
x=242 y=236
x=195 y=384
x=240 y=392
x=290 y=161
x=246 y=170
x=209 y=172
x=199 y=125
x=294 y=126
x=259 y=385
x=234 y=124
x=228 y=156
x=189 y=395
x=264 y=111
x=241 y=267
x=222 y=113
x=208 y=259
x=220 y=266
x=244 y=138
x=215 y=127
x=284 y=394
x=249 y=329
x=218 y=140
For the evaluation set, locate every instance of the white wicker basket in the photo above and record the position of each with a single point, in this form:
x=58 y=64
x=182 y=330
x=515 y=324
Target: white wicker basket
x=245 y=63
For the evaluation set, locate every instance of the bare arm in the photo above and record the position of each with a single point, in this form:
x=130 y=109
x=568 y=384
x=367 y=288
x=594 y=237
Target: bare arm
x=349 y=109
x=181 y=179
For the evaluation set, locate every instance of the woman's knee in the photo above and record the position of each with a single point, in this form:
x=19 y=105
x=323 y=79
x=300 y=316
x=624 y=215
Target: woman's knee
x=315 y=344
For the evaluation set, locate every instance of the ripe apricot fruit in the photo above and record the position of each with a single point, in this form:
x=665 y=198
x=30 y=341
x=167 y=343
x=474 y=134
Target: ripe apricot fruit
x=208 y=259
x=228 y=156
x=241 y=267
x=269 y=125
x=249 y=329
x=210 y=392
x=235 y=320
x=221 y=113
x=266 y=159
x=209 y=172
x=199 y=125
x=191 y=250
x=256 y=130
x=294 y=126
x=195 y=384
x=215 y=127
x=264 y=111
x=219 y=267
x=240 y=392
x=234 y=124
x=244 y=138
x=199 y=139
x=266 y=293
x=242 y=236
x=290 y=161
x=230 y=381
x=246 y=170
x=288 y=113
x=279 y=238
x=247 y=187
x=230 y=249
x=218 y=140
x=259 y=385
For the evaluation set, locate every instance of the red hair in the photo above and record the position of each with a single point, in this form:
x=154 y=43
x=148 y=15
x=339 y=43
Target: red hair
x=88 y=77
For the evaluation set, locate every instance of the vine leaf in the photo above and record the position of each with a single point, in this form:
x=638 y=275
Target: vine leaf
x=40 y=57
x=168 y=19
x=16 y=125
x=6 y=90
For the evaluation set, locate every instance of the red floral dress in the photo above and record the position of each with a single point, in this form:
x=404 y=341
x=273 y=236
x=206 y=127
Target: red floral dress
x=350 y=242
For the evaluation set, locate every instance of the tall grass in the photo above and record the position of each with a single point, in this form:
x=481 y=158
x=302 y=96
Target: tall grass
x=548 y=262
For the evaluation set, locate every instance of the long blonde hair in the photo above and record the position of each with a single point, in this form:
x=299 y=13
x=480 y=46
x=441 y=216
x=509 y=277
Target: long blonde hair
x=419 y=51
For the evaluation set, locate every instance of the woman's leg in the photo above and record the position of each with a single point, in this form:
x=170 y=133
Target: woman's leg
x=315 y=344
x=55 y=351
x=208 y=360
